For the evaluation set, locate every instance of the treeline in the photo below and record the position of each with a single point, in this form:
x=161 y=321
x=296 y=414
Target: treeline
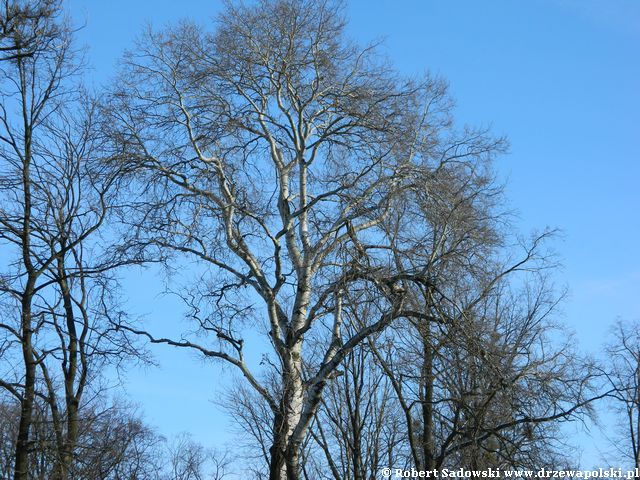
x=349 y=251
x=113 y=442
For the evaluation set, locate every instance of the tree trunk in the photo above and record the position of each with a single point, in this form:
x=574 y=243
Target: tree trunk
x=277 y=449
x=26 y=404
x=72 y=399
x=284 y=462
x=26 y=325
x=427 y=405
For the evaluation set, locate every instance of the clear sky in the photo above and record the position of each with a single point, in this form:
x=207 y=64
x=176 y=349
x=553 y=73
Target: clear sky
x=560 y=78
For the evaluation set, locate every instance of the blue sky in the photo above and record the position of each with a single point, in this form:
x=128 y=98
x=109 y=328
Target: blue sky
x=560 y=78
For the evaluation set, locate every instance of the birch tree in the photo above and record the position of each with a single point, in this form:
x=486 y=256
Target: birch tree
x=272 y=150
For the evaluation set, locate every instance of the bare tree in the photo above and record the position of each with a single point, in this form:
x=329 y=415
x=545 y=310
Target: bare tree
x=272 y=151
x=80 y=308
x=623 y=374
x=189 y=460
x=57 y=291
x=114 y=443
x=32 y=86
x=462 y=373
x=359 y=429
x=42 y=459
x=465 y=387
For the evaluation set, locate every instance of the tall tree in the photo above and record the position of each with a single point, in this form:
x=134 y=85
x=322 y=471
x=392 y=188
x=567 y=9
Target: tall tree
x=470 y=403
x=32 y=87
x=78 y=304
x=272 y=150
x=54 y=200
